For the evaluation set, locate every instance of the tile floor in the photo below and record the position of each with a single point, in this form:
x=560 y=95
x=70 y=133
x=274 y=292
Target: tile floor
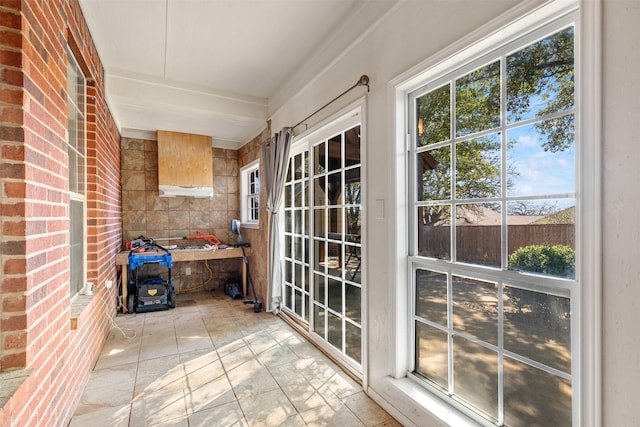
x=212 y=361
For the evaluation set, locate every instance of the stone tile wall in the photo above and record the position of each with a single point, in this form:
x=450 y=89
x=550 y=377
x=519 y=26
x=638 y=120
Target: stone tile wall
x=144 y=213
x=257 y=237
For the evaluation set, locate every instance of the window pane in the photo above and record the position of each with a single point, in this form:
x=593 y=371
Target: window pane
x=71 y=81
x=319 y=289
x=431 y=354
x=297 y=195
x=475 y=373
x=306 y=308
x=533 y=397
x=306 y=273
x=77 y=255
x=298 y=221
x=73 y=170
x=478 y=234
x=298 y=302
x=320 y=259
x=353 y=263
x=81 y=133
x=319 y=224
x=297 y=164
x=475 y=308
x=254 y=208
x=478 y=100
x=81 y=178
x=352 y=187
x=319 y=158
x=80 y=95
x=288 y=272
x=297 y=274
x=541 y=235
x=306 y=189
x=287 y=297
x=434 y=231
x=320 y=196
x=352 y=303
x=434 y=174
x=334 y=145
x=431 y=291
x=72 y=126
x=305 y=164
x=288 y=199
x=540 y=77
x=354 y=216
x=334 y=189
x=335 y=295
x=334 y=332
x=478 y=168
x=287 y=246
x=335 y=223
x=288 y=226
x=353 y=341
x=537 y=325
x=434 y=116
x=541 y=158
x=352 y=147
x=319 y=317
x=334 y=262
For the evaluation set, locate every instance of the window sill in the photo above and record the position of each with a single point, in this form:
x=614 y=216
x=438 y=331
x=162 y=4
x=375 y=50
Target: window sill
x=79 y=303
x=10 y=382
x=428 y=403
x=252 y=225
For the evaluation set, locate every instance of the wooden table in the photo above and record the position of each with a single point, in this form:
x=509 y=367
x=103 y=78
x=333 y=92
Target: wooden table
x=180 y=255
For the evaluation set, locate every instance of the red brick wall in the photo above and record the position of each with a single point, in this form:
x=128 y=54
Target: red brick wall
x=35 y=305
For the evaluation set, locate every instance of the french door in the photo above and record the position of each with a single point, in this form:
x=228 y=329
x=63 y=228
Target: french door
x=323 y=262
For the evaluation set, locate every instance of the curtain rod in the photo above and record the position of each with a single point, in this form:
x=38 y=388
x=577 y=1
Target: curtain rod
x=363 y=81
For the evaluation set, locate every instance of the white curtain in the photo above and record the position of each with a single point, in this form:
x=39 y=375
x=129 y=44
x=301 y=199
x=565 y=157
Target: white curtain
x=275 y=157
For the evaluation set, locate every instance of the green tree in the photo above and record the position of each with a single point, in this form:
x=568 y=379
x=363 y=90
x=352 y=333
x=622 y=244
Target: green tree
x=544 y=72
x=539 y=82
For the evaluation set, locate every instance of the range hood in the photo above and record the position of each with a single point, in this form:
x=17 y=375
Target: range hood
x=180 y=191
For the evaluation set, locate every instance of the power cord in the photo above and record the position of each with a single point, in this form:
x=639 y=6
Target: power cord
x=201 y=285
x=114 y=325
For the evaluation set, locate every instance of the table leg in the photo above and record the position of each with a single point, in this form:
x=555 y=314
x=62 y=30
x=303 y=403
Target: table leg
x=124 y=289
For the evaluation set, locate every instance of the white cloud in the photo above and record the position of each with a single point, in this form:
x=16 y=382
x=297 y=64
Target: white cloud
x=528 y=140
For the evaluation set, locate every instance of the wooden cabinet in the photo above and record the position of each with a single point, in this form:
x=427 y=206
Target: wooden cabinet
x=184 y=159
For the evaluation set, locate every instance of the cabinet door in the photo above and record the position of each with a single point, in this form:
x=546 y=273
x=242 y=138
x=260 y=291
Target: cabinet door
x=184 y=159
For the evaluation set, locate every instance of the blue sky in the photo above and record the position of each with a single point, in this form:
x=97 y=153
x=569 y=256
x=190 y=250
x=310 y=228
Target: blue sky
x=540 y=172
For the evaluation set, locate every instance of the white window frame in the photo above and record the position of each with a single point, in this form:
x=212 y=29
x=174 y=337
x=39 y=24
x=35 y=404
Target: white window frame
x=245 y=194
x=74 y=196
x=586 y=307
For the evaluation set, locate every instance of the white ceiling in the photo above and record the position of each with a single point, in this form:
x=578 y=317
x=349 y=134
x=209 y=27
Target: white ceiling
x=214 y=67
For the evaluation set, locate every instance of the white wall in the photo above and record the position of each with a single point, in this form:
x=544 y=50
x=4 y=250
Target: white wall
x=412 y=32
x=621 y=224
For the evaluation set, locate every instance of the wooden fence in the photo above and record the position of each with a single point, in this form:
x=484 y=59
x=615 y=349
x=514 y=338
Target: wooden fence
x=481 y=244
